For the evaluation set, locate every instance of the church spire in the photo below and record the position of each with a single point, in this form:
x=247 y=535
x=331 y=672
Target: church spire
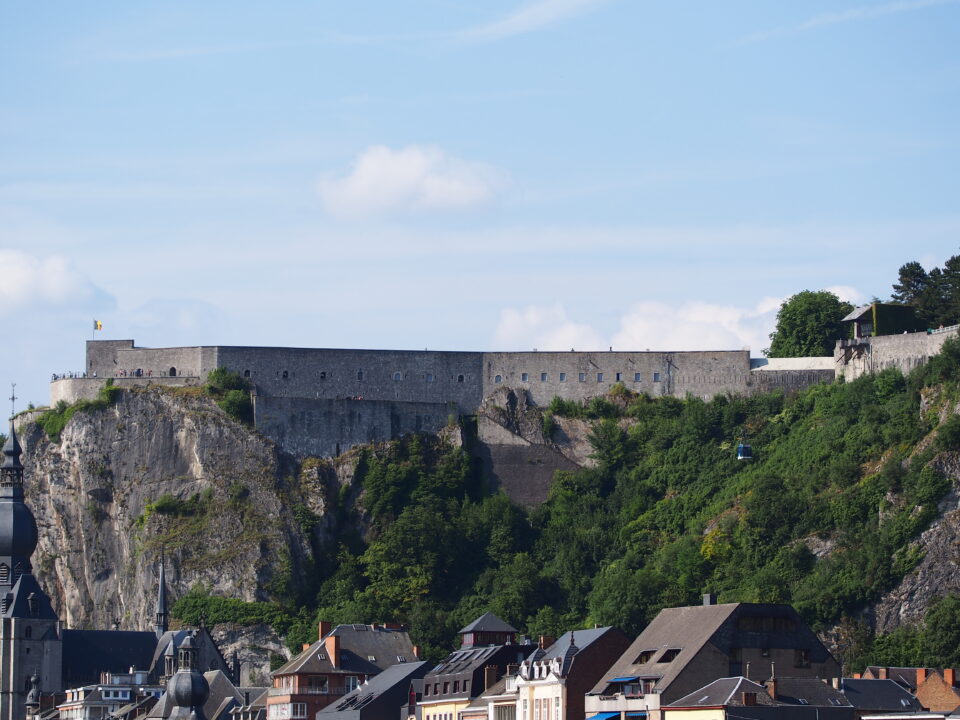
x=11 y=469
x=160 y=624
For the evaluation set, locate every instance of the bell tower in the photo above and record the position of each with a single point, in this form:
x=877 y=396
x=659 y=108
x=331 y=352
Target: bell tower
x=30 y=637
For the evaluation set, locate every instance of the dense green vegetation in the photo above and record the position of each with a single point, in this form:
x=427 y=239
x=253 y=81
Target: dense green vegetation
x=232 y=393
x=53 y=421
x=667 y=513
x=935 y=295
x=808 y=325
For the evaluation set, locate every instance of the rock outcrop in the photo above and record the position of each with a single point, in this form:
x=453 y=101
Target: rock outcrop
x=162 y=471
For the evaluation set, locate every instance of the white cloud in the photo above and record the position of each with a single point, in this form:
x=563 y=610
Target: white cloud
x=415 y=178
x=529 y=18
x=848 y=294
x=863 y=12
x=543 y=328
x=647 y=325
x=48 y=281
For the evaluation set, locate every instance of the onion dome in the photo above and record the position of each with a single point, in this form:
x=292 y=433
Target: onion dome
x=188 y=688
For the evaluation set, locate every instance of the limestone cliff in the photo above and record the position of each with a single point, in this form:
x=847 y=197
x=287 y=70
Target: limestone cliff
x=161 y=470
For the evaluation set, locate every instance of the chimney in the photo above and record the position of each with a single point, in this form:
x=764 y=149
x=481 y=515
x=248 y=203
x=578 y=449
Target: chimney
x=323 y=629
x=747 y=673
x=835 y=682
x=883 y=674
x=490 y=678
x=950 y=676
x=709 y=599
x=546 y=641
x=305 y=646
x=772 y=688
x=857 y=676
x=921 y=676
x=748 y=699
x=416 y=651
x=332 y=645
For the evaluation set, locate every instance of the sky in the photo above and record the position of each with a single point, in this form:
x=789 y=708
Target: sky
x=448 y=174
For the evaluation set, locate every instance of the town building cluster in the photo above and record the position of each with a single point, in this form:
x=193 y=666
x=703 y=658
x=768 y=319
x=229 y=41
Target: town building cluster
x=731 y=661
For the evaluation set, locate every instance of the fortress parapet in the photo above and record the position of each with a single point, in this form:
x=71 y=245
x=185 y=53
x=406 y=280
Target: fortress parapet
x=323 y=401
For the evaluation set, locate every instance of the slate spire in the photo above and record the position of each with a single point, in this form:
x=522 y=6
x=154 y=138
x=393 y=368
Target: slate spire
x=160 y=621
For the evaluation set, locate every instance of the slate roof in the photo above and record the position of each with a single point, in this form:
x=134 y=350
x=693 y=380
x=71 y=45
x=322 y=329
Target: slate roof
x=87 y=653
x=688 y=629
x=208 y=652
x=561 y=647
x=809 y=691
x=856 y=313
x=380 y=697
x=488 y=622
x=19 y=603
x=878 y=695
x=904 y=676
x=725 y=691
x=223 y=696
x=358 y=643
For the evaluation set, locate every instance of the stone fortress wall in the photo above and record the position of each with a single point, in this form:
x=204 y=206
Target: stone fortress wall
x=857 y=356
x=324 y=401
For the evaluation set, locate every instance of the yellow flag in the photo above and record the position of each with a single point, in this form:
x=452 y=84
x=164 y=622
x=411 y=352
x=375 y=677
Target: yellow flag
x=97 y=325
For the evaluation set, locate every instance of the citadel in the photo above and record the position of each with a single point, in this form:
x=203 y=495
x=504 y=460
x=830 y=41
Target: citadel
x=322 y=402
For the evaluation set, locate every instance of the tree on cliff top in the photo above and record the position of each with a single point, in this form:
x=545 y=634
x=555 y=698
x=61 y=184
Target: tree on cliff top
x=808 y=325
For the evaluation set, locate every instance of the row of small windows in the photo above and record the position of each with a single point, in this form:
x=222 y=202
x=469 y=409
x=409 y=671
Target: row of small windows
x=582 y=377
x=397 y=376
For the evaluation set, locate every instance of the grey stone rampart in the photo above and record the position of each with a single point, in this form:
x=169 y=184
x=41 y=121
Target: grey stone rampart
x=382 y=375
x=907 y=351
x=583 y=375
x=315 y=401
x=72 y=389
x=323 y=427
x=766 y=381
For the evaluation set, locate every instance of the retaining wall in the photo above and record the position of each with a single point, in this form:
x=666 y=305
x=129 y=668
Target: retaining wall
x=907 y=351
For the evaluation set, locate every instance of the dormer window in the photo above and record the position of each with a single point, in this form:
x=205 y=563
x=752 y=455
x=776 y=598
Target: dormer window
x=669 y=655
x=644 y=657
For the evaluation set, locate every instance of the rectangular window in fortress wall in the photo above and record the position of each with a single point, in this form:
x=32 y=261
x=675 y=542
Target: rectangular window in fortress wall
x=619 y=377
x=583 y=377
x=543 y=377
x=636 y=377
x=524 y=377
x=656 y=377
x=599 y=377
x=563 y=377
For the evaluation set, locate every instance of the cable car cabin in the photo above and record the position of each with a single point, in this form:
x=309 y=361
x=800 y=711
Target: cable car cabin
x=744 y=452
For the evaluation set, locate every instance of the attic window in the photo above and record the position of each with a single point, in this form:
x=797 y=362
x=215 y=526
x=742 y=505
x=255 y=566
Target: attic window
x=669 y=655
x=321 y=656
x=401 y=658
x=644 y=657
x=372 y=658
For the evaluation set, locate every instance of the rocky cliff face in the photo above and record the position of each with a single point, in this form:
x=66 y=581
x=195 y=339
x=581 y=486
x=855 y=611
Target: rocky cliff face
x=162 y=471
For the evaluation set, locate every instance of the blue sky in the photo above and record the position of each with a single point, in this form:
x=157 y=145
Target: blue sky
x=453 y=174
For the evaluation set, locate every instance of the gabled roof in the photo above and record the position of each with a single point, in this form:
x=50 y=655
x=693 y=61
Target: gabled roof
x=19 y=603
x=725 y=692
x=391 y=685
x=676 y=636
x=488 y=622
x=358 y=644
x=562 y=648
x=686 y=629
x=878 y=695
x=856 y=313
x=809 y=691
x=905 y=676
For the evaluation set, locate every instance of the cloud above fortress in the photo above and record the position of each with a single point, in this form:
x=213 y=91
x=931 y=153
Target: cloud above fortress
x=51 y=281
x=649 y=325
x=416 y=178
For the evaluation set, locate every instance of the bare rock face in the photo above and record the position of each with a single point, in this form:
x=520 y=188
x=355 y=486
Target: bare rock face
x=253 y=646
x=159 y=471
x=938 y=573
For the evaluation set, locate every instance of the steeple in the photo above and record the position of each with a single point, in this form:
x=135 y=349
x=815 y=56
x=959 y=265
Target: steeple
x=11 y=470
x=188 y=688
x=18 y=528
x=160 y=621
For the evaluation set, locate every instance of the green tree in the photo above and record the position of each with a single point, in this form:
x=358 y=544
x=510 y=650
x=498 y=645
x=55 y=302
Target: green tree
x=808 y=325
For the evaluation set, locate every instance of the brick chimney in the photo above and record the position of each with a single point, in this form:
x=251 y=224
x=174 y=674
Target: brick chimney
x=709 y=599
x=883 y=674
x=748 y=699
x=490 y=673
x=772 y=688
x=416 y=651
x=950 y=676
x=921 y=675
x=305 y=646
x=546 y=641
x=332 y=645
x=323 y=629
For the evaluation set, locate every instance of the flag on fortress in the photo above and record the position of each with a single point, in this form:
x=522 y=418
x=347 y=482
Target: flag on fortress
x=97 y=325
